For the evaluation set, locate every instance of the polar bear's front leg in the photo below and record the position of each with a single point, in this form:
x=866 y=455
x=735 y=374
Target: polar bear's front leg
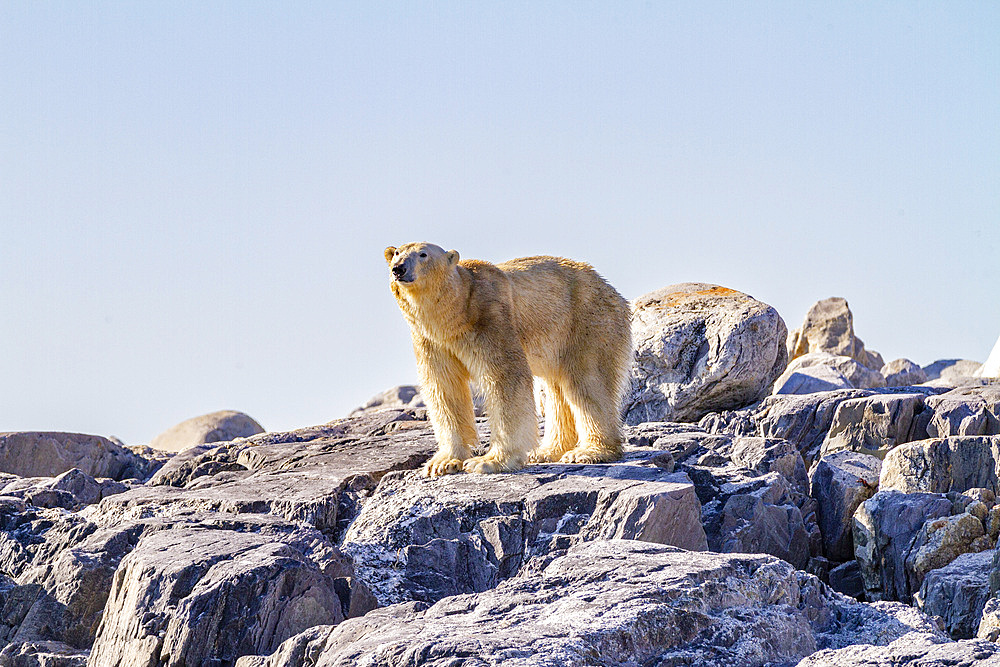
x=444 y=384
x=510 y=406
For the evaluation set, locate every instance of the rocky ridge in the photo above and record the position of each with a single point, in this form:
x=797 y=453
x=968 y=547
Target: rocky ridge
x=854 y=526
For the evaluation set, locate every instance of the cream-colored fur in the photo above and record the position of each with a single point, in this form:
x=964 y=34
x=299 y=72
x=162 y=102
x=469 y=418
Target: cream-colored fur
x=499 y=325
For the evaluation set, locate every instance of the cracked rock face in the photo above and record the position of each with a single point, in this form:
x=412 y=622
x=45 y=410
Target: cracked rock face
x=958 y=592
x=616 y=602
x=424 y=539
x=190 y=596
x=45 y=454
x=840 y=482
x=940 y=465
x=701 y=348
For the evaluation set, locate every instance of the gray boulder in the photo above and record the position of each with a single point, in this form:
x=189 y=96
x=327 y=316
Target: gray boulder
x=841 y=371
x=829 y=327
x=615 y=603
x=951 y=370
x=912 y=650
x=220 y=426
x=885 y=527
x=875 y=424
x=958 y=592
x=47 y=454
x=811 y=380
x=203 y=596
x=701 y=348
x=940 y=541
x=747 y=512
x=903 y=373
x=965 y=411
x=465 y=533
x=840 y=482
x=940 y=465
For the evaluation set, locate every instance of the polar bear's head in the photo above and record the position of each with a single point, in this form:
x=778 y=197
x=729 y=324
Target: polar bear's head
x=415 y=264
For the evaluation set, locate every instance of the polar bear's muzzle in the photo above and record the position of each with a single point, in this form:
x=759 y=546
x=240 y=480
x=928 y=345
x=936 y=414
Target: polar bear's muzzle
x=401 y=274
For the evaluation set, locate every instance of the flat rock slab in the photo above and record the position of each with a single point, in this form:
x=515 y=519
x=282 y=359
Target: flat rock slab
x=914 y=650
x=316 y=475
x=612 y=603
x=424 y=539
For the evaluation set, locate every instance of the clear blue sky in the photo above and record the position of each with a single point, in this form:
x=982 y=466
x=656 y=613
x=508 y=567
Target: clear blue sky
x=194 y=197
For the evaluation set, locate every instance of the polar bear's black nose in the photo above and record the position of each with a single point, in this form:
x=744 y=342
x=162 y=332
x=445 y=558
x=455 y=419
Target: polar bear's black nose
x=399 y=271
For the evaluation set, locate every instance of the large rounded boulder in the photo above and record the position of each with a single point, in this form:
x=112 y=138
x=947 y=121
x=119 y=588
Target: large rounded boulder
x=220 y=426
x=702 y=348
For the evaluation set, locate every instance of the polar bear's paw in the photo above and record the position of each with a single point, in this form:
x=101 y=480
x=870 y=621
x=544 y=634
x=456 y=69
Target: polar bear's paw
x=442 y=466
x=589 y=455
x=490 y=464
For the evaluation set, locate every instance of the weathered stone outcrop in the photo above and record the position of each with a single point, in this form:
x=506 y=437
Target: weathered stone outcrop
x=912 y=650
x=885 y=527
x=958 y=592
x=44 y=454
x=317 y=475
x=875 y=424
x=465 y=533
x=965 y=411
x=840 y=482
x=701 y=348
x=940 y=465
x=70 y=490
x=837 y=370
x=235 y=546
x=811 y=380
x=218 y=426
x=619 y=602
x=903 y=373
x=829 y=327
x=204 y=596
x=746 y=513
x=951 y=370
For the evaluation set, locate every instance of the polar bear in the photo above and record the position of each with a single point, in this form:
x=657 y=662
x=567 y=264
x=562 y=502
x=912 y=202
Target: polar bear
x=500 y=325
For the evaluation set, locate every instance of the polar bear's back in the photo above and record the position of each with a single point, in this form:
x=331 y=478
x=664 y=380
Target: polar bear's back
x=560 y=304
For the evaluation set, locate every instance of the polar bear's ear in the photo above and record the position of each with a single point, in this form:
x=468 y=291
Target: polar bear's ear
x=452 y=256
x=390 y=252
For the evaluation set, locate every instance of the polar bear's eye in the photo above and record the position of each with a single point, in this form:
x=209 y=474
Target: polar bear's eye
x=423 y=254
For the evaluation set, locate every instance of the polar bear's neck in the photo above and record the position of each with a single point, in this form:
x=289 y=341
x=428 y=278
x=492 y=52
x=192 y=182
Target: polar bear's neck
x=438 y=311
